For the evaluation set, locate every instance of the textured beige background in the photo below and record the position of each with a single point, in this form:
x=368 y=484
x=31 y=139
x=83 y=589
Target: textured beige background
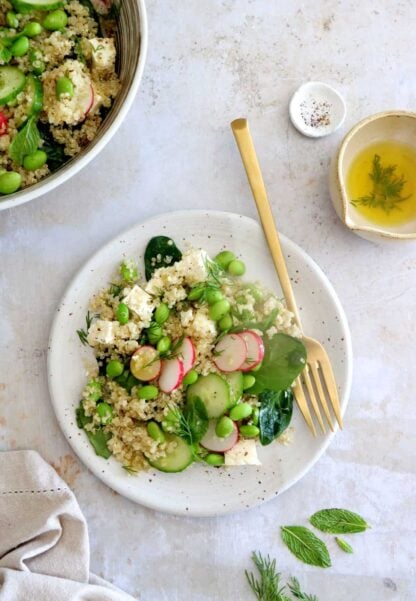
x=209 y=62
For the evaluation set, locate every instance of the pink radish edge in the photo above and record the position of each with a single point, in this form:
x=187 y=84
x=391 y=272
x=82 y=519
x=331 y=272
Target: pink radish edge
x=187 y=353
x=214 y=443
x=233 y=353
x=171 y=374
x=255 y=349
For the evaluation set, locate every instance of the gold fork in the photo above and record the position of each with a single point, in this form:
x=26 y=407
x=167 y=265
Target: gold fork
x=316 y=384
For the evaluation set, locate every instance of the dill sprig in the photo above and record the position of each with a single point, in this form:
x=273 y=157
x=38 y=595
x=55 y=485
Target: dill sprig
x=387 y=188
x=267 y=587
x=294 y=588
x=82 y=334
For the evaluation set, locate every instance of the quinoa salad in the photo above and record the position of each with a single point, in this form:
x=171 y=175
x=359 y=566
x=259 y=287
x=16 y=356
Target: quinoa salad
x=193 y=363
x=57 y=82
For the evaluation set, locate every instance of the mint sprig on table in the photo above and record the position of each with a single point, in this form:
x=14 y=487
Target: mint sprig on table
x=338 y=521
x=306 y=546
x=342 y=544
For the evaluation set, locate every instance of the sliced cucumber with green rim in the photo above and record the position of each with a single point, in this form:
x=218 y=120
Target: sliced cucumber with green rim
x=34 y=90
x=37 y=4
x=178 y=459
x=235 y=382
x=12 y=82
x=213 y=391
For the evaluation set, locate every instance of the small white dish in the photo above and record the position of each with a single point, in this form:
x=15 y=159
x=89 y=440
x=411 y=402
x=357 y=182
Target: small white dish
x=317 y=109
x=200 y=490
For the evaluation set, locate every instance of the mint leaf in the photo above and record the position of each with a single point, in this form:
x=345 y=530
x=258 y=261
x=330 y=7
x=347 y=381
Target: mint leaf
x=25 y=142
x=342 y=544
x=338 y=521
x=284 y=359
x=304 y=545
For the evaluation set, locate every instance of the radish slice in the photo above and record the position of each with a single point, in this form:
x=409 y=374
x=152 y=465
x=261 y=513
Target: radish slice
x=214 y=443
x=255 y=350
x=187 y=353
x=87 y=99
x=171 y=375
x=230 y=353
x=145 y=363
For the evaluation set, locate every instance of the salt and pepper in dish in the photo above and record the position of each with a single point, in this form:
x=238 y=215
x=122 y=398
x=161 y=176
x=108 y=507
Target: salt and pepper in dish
x=317 y=109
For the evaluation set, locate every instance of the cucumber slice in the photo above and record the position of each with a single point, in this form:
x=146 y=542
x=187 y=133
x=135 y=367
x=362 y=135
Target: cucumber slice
x=12 y=82
x=213 y=391
x=29 y=5
x=235 y=382
x=34 y=91
x=178 y=459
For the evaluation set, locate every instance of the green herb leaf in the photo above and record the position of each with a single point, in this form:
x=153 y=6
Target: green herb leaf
x=161 y=251
x=304 y=545
x=83 y=334
x=192 y=422
x=99 y=440
x=342 y=544
x=25 y=142
x=267 y=588
x=275 y=413
x=387 y=188
x=295 y=589
x=82 y=419
x=54 y=151
x=263 y=326
x=130 y=470
x=338 y=521
x=284 y=359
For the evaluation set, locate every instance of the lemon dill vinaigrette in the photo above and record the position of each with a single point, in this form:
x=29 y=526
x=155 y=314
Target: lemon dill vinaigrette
x=381 y=183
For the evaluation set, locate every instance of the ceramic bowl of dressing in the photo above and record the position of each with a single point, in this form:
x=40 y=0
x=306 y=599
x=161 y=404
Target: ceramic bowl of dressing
x=373 y=178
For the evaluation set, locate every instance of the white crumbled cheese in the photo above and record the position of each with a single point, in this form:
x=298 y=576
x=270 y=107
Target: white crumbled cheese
x=243 y=453
x=103 y=56
x=203 y=326
x=141 y=303
x=102 y=332
x=192 y=267
x=270 y=305
x=186 y=317
x=271 y=331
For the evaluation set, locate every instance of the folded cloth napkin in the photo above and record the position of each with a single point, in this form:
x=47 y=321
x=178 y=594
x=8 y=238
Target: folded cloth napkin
x=44 y=551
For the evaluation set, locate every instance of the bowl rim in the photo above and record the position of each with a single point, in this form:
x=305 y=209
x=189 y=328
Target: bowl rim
x=53 y=182
x=340 y=181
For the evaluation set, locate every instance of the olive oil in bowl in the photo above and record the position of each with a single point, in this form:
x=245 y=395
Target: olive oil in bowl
x=381 y=183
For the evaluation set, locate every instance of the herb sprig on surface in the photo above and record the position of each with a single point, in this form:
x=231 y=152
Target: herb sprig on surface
x=387 y=188
x=295 y=589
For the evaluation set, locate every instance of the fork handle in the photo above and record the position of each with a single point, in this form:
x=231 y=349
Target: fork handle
x=248 y=154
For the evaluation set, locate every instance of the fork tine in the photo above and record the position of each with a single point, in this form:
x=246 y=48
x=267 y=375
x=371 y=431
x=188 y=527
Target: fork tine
x=331 y=387
x=312 y=396
x=303 y=405
x=321 y=394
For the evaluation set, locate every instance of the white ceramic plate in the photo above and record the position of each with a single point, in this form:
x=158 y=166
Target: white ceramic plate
x=200 y=491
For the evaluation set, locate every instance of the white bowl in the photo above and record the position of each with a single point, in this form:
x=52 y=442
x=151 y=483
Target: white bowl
x=132 y=46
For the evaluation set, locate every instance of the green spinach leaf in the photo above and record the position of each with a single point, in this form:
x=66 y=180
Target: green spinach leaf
x=284 y=359
x=99 y=440
x=161 y=251
x=54 y=151
x=275 y=414
x=82 y=419
x=25 y=142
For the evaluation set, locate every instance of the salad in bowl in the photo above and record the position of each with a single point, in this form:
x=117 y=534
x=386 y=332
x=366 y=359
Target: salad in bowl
x=192 y=363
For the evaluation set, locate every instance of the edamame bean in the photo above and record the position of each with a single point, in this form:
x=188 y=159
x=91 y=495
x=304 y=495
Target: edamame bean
x=148 y=392
x=64 y=88
x=128 y=271
x=213 y=296
x=57 y=19
x=241 y=411
x=224 y=258
x=249 y=431
x=236 y=267
x=105 y=411
x=20 y=46
x=164 y=344
x=122 y=314
x=36 y=60
x=10 y=182
x=32 y=29
x=94 y=391
x=196 y=292
x=215 y=459
x=34 y=161
x=155 y=432
x=224 y=427
x=255 y=416
x=219 y=309
x=248 y=381
x=114 y=368
x=225 y=323
x=162 y=313
x=154 y=333
x=12 y=20
x=190 y=378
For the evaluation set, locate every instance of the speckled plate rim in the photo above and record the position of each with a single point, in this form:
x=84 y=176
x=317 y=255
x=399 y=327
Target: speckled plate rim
x=86 y=454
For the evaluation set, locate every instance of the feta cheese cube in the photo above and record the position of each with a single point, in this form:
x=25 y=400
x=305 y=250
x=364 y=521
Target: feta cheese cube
x=103 y=56
x=243 y=453
x=102 y=332
x=186 y=317
x=141 y=303
x=192 y=266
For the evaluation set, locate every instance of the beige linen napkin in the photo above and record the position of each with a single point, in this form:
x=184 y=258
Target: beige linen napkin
x=44 y=551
